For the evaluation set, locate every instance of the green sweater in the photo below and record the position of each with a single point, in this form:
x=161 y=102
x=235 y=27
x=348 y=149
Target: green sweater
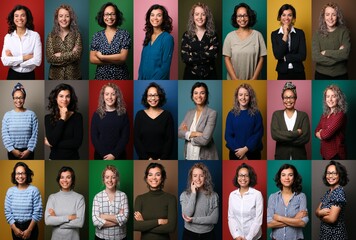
x=155 y=205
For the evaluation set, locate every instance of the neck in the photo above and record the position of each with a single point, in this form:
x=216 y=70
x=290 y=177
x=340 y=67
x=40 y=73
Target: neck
x=287 y=190
x=20 y=31
x=110 y=29
x=22 y=109
x=243 y=190
x=199 y=108
x=64 y=30
x=290 y=110
x=331 y=29
x=109 y=109
x=22 y=186
x=332 y=188
x=107 y=190
x=157 y=30
x=199 y=29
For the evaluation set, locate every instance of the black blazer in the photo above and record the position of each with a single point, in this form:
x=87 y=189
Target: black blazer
x=296 y=55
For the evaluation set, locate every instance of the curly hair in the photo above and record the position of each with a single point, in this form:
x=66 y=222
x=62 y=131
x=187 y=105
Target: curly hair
x=29 y=18
x=52 y=101
x=166 y=24
x=285 y=7
x=209 y=21
x=100 y=15
x=73 y=26
x=252 y=104
x=341 y=171
x=251 y=174
x=72 y=174
x=297 y=182
x=289 y=86
x=252 y=16
x=115 y=171
x=341 y=105
x=197 y=85
x=161 y=94
x=163 y=173
x=28 y=171
x=323 y=30
x=120 y=104
x=208 y=185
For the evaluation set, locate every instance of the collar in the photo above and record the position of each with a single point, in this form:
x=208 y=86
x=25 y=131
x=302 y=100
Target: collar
x=280 y=31
x=15 y=33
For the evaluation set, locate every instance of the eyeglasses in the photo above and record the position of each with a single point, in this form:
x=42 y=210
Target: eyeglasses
x=109 y=14
x=332 y=174
x=152 y=96
x=288 y=98
x=243 y=176
x=242 y=16
x=18 y=98
x=20 y=173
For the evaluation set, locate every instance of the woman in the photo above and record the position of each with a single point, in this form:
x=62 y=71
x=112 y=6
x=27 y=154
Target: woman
x=158 y=45
x=19 y=127
x=64 y=125
x=65 y=209
x=155 y=221
x=331 y=44
x=23 y=204
x=244 y=49
x=109 y=48
x=244 y=126
x=287 y=211
x=198 y=126
x=289 y=47
x=110 y=208
x=154 y=127
x=331 y=210
x=200 y=204
x=245 y=207
x=290 y=128
x=110 y=127
x=331 y=128
x=200 y=44
x=22 y=50
x=64 y=46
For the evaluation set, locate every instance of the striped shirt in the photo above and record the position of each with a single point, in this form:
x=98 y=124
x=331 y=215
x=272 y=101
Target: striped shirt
x=102 y=205
x=23 y=205
x=19 y=130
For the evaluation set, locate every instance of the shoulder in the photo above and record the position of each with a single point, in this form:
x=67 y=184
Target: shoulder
x=140 y=113
x=169 y=196
x=273 y=196
x=120 y=193
x=11 y=190
x=167 y=35
x=77 y=195
x=299 y=31
x=33 y=33
x=211 y=111
x=99 y=194
x=278 y=113
x=214 y=196
x=77 y=115
x=33 y=189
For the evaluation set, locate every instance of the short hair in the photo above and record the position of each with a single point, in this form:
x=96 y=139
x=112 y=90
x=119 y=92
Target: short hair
x=341 y=100
x=208 y=182
x=251 y=174
x=100 y=15
x=72 y=174
x=209 y=22
x=252 y=104
x=252 y=15
x=115 y=171
x=197 y=85
x=29 y=18
x=289 y=86
x=341 y=170
x=287 y=7
x=163 y=173
x=28 y=171
x=297 y=182
x=339 y=21
x=120 y=104
x=161 y=94
x=73 y=26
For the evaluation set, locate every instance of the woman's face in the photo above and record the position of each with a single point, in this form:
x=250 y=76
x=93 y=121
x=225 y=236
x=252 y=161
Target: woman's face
x=332 y=176
x=287 y=17
x=63 y=98
x=20 y=18
x=199 y=96
x=110 y=180
x=156 y=18
x=152 y=97
x=243 y=98
x=331 y=99
x=198 y=177
x=330 y=17
x=20 y=175
x=199 y=17
x=109 y=16
x=63 y=18
x=287 y=177
x=19 y=99
x=109 y=97
x=289 y=99
x=154 y=178
x=243 y=178
x=242 y=17
x=65 y=181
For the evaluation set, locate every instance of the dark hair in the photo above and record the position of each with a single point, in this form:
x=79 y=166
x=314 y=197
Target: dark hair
x=297 y=182
x=29 y=18
x=100 y=15
x=251 y=174
x=200 y=84
x=72 y=174
x=161 y=95
x=28 y=171
x=166 y=24
x=340 y=169
x=287 y=7
x=163 y=173
x=52 y=101
x=252 y=15
x=208 y=182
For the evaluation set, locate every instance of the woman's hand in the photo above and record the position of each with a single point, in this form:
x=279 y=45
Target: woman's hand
x=241 y=152
x=17 y=231
x=109 y=157
x=51 y=212
x=193 y=188
x=47 y=143
x=26 y=233
x=138 y=216
x=64 y=113
x=8 y=53
x=317 y=134
x=184 y=127
x=324 y=212
x=195 y=134
x=186 y=218
x=162 y=221
x=301 y=214
x=72 y=217
x=25 y=154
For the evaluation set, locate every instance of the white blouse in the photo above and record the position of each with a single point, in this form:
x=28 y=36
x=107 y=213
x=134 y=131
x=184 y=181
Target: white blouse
x=192 y=151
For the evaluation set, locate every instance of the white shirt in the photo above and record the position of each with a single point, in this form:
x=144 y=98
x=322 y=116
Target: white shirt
x=30 y=43
x=290 y=65
x=245 y=214
x=192 y=150
x=290 y=122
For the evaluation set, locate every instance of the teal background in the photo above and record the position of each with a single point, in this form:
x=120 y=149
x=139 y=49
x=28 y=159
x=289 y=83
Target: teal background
x=348 y=88
x=125 y=168
x=304 y=169
x=261 y=25
x=81 y=9
x=126 y=7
